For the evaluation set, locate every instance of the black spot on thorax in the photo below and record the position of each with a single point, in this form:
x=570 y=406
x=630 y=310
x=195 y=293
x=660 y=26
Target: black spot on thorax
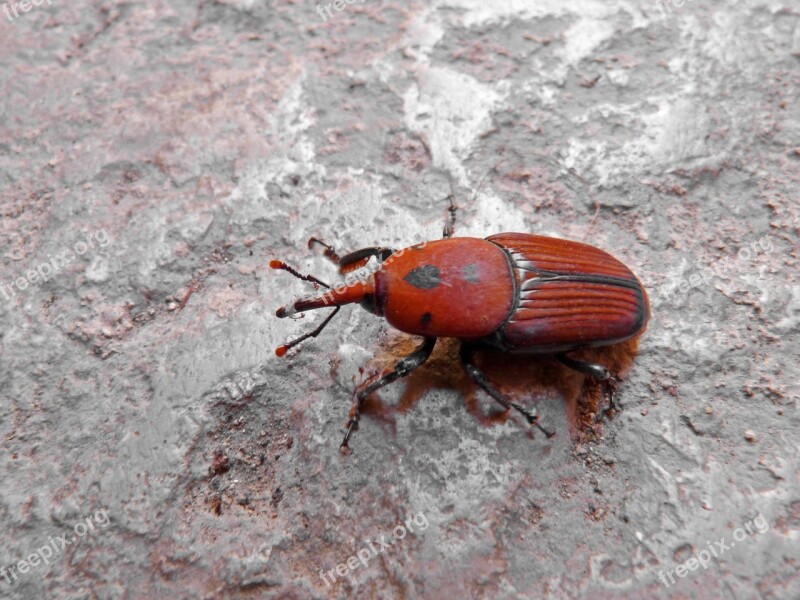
x=470 y=273
x=425 y=277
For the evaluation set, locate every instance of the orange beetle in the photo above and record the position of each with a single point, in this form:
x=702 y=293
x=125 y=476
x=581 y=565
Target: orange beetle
x=517 y=292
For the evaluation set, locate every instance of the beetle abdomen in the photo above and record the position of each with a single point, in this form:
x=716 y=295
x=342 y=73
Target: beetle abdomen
x=569 y=295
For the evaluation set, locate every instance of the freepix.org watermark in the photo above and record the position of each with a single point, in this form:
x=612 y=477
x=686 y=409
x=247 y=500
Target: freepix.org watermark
x=715 y=549
x=720 y=268
x=370 y=551
x=665 y=6
x=325 y=12
x=22 y=6
x=55 y=546
x=54 y=264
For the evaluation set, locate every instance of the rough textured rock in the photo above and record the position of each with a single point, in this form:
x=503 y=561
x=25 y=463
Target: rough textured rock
x=192 y=142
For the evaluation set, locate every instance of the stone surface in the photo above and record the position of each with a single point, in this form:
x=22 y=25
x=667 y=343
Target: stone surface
x=154 y=156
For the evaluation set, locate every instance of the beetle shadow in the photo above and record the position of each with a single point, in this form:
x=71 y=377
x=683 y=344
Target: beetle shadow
x=526 y=379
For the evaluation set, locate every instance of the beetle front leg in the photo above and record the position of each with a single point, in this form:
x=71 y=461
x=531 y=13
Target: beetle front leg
x=479 y=378
x=351 y=260
x=595 y=371
x=329 y=252
x=359 y=258
x=401 y=369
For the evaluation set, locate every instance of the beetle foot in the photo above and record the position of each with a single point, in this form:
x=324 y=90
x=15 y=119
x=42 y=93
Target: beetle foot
x=533 y=419
x=610 y=385
x=548 y=432
x=352 y=425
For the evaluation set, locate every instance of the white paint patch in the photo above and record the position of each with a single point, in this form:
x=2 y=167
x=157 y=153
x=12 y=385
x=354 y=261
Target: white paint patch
x=677 y=132
x=492 y=215
x=289 y=123
x=248 y=201
x=584 y=37
x=790 y=317
x=610 y=163
x=424 y=32
x=481 y=12
x=97 y=271
x=452 y=110
x=619 y=77
x=194 y=226
x=471 y=466
x=352 y=358
x=363 y=216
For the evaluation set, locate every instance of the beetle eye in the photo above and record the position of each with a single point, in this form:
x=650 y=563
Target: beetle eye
x=387 y=252
x=368 y=304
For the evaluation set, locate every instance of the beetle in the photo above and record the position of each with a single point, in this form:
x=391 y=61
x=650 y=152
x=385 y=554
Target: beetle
x=515 y=292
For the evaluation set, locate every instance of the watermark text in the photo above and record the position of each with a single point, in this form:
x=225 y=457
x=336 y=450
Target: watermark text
x=370 y=551
x=715 y=549
x=54 y=546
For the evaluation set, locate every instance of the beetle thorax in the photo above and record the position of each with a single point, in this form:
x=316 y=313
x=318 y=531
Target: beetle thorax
x=456 y=287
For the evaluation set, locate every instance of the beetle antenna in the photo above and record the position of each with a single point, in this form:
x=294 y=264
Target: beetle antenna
x=489 y=171
x=486 y=176
x=281 y=350
x=277 y=264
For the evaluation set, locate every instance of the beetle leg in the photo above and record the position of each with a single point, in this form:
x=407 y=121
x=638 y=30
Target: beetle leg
x=401 y=369
x=595 y=371
x=282 y=349
x=351 y=260
x=359 y=258
x=480 y=379
x=329 y=252
x=450 y=223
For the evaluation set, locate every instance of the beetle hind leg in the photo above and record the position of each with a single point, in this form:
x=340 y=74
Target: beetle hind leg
x=401 y=369
x=480 y=380
x=595 y=371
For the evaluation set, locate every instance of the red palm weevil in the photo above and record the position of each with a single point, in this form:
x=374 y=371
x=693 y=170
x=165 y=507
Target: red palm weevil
x=516 y=292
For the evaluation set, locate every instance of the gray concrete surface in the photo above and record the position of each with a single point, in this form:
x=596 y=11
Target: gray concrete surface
x=154 y=156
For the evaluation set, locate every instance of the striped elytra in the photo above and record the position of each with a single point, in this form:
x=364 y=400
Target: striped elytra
x=568 y=295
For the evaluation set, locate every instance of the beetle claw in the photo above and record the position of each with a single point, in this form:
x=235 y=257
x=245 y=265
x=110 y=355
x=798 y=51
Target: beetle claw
x=610 y=386
x=352 y=425
x=533 y=419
